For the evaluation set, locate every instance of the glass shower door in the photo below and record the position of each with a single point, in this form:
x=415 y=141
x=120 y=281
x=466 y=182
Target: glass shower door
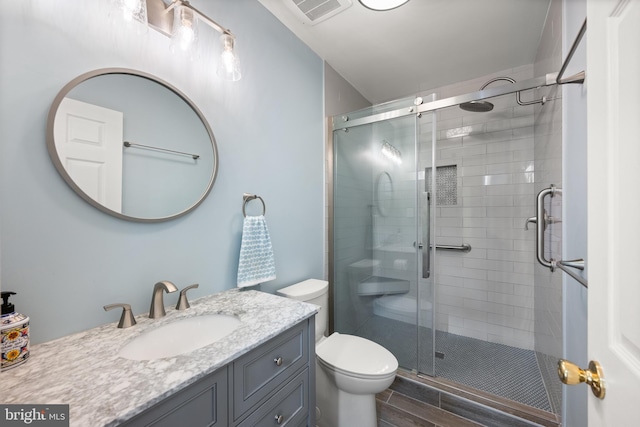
x=378 y=243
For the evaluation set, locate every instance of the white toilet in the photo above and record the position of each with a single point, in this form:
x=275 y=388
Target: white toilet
x=349 y=370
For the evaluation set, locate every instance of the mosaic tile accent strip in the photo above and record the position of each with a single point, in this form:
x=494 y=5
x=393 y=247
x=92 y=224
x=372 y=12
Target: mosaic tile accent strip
x=446 y=184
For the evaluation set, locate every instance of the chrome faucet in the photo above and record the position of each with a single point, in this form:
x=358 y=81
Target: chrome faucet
x=157 y=302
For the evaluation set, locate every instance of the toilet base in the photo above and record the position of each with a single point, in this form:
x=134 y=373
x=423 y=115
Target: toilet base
x=338 y=408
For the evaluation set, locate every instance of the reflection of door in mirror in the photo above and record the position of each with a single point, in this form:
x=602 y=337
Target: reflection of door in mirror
x=89 y=144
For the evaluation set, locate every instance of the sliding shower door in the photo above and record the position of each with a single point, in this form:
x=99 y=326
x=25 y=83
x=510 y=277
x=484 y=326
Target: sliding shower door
x=431 y=257
x=380 y=203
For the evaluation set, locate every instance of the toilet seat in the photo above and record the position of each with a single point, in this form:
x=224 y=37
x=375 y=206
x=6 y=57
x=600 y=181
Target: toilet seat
x=356 y=357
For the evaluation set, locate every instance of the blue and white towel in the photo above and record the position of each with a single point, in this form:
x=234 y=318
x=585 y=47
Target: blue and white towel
x=257 y=264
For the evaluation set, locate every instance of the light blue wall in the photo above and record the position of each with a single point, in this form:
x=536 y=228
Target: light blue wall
x=65 y=258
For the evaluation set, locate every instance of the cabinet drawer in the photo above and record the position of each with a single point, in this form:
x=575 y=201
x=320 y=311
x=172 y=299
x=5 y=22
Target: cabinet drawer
x=203 y=403
x=261 y=371
x=289 y=406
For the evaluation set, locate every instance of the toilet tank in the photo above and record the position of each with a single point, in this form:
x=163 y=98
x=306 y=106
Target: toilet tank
x=313 y=291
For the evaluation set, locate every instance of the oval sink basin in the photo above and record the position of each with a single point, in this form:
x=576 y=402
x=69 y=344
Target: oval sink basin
x=179 y=337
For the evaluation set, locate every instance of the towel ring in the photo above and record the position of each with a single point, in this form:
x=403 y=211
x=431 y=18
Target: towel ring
x=247 y=198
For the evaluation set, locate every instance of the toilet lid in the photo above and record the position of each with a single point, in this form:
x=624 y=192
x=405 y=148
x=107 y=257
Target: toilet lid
x=356 y=356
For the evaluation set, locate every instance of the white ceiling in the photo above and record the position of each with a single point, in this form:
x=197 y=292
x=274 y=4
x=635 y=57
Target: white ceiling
x=423 y=44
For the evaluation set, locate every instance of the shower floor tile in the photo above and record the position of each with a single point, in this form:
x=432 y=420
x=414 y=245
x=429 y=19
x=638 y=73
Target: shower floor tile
x=505 y=371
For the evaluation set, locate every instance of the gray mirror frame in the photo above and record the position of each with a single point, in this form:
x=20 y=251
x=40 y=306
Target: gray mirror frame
x=53 y=154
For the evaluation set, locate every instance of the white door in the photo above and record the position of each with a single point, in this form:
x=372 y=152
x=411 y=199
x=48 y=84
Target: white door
x=89 y=144
x=613 y=114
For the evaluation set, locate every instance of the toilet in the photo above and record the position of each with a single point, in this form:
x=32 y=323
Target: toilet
x=350 y=370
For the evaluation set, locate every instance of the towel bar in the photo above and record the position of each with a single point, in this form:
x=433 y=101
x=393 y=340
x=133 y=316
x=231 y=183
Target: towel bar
x=246 y=198
x=166 y=150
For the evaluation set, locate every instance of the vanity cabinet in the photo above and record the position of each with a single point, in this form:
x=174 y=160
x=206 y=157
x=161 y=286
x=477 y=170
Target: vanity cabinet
x=270 y=385
x=203 y=403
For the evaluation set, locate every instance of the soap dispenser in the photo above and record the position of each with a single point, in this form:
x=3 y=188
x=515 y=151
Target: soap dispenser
x=14 y=334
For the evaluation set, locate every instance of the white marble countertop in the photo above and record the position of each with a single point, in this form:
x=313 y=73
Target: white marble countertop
x=84 y=370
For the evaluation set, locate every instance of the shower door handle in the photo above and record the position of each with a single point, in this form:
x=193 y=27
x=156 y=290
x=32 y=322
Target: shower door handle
x=425 y=206
x=541 y=220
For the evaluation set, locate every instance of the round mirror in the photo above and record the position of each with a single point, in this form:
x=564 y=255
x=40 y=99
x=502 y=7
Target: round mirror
x=132 y=145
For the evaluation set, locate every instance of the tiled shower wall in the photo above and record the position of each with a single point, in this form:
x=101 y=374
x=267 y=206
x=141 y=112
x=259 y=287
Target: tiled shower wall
x=487 y=293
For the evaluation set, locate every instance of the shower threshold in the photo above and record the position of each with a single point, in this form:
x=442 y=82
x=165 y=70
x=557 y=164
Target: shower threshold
x=449 y=404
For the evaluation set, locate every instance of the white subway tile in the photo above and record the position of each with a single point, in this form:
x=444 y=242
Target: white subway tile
x=490 y=306
x=510 y=277
x=462 y=292
x=475 y=325
x=479 y=170
x=468 y=333
x=450 y=222
x=474 y=212
x=447 y=280
x=510 y=300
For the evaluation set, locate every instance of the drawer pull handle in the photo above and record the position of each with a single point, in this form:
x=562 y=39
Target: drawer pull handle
x=278 y=362
x=279 y=419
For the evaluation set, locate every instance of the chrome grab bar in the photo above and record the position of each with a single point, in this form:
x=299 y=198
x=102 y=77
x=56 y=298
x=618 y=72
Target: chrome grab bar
x=465 y=247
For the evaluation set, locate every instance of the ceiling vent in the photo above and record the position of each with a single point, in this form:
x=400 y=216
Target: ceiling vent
x=312 y=12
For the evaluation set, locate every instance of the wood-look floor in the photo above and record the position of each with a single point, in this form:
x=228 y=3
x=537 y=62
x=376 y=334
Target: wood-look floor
x=397 y=410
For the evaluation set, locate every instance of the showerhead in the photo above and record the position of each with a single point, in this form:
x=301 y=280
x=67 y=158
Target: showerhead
x=477 y=106
x=484 y=106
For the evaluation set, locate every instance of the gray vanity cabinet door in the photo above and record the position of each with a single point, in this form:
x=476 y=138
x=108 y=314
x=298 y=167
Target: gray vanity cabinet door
x=202 y=404
x=259 y=373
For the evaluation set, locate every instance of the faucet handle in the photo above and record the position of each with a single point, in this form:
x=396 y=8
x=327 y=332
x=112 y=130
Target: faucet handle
x=126 y=319
x=183 y=303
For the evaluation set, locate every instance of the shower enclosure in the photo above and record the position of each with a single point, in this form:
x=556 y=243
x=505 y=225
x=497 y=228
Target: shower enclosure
x=430 y=255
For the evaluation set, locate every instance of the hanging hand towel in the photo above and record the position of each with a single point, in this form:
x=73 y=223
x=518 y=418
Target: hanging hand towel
x=257 y=263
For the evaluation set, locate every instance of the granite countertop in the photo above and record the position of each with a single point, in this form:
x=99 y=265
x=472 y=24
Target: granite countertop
x=84 y=370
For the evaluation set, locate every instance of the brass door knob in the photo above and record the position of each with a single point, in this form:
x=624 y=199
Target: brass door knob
x=570 y=374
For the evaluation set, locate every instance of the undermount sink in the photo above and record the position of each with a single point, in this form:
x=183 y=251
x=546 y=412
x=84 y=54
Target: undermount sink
x=179 y=337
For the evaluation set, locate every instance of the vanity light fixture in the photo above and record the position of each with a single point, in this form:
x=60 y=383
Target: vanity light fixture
x=229 y=65
x=184 y=34
x=382 y=4
x=179 y=20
